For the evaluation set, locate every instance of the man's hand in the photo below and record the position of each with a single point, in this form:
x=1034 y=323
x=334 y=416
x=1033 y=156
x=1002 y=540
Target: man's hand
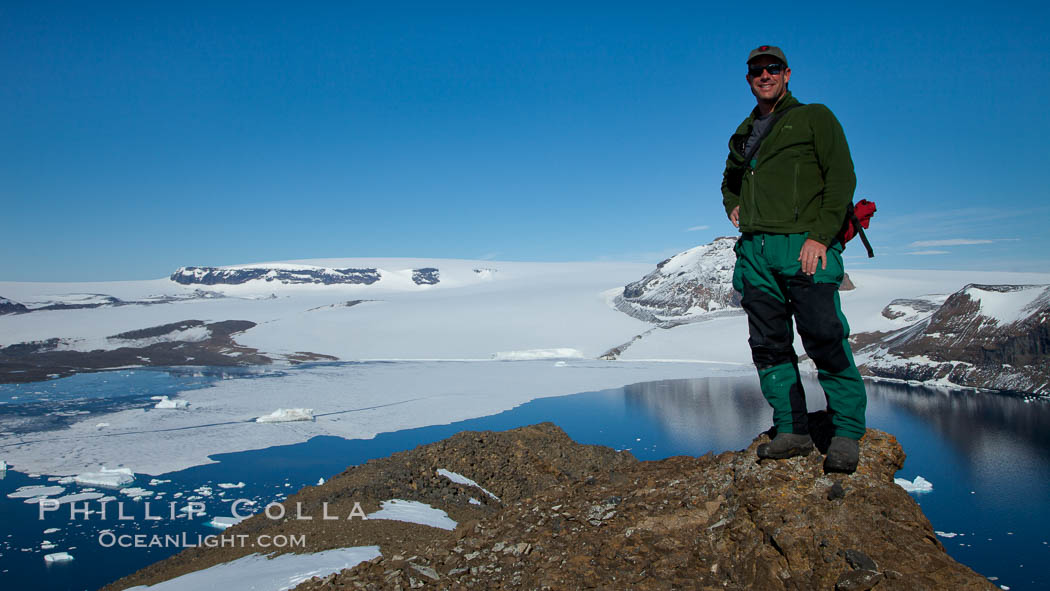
x=734 y=216
x=812 y=251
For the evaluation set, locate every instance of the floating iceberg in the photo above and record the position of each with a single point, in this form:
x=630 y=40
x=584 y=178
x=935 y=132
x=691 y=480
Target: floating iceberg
x=115 y=478
x=58 y=557
x=230 y=485
x=225 y=522
x=25 y=492
x=283 y=415
x=919 y=485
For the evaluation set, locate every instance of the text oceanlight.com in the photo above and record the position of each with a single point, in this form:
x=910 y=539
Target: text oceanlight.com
x=108 y=539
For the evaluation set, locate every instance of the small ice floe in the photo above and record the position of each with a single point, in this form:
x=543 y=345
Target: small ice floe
x=204 y=491
x=166 y=402
x=78 y=497
x=231 y=485
x=109 y=478
x=50 y=530
x=157 y=481
x=225 y=522
x=58 y=557
x=946 y=534
x=461 y=479
x=25 y=492
x=413 y=512
x=919 y=485
x=136 y=493
x=47 y=545
x=284 y=415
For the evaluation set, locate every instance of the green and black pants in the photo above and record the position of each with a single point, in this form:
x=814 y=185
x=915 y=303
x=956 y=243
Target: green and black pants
x=774 y=291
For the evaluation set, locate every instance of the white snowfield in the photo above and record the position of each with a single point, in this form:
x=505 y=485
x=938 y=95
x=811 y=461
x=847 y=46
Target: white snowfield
x=445 y=337
x=259 y=573
x=1010 y=306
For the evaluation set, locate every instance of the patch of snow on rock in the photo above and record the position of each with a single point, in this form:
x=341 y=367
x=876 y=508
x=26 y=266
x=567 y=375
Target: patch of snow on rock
x=413 y=512
x=260 y=573
x=460 y=479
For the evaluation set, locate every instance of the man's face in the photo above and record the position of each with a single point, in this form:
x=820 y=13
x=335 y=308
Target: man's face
x=766 y=87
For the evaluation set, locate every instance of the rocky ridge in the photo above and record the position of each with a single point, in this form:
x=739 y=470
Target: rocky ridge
x=982 y=336
x=573 y=516
x=11 y=307
x=292 y=275
x=83 y=301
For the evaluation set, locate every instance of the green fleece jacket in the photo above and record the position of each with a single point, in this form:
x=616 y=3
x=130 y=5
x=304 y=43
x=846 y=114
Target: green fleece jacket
x=801 y=179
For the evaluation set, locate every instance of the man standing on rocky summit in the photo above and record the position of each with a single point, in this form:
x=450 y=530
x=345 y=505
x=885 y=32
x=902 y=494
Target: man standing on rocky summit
x=787 y=183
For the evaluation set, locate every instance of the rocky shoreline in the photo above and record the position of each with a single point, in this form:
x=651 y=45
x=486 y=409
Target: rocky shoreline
x=572 y=516
x=157 y=346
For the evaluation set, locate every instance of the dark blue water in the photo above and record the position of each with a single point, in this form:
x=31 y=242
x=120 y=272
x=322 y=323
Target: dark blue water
x=985 y=454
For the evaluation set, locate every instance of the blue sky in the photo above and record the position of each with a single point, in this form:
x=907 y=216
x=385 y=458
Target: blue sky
x=135 y=139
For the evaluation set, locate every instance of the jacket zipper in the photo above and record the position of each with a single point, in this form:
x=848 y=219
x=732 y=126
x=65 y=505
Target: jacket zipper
x=751 y=189
x=795 y=191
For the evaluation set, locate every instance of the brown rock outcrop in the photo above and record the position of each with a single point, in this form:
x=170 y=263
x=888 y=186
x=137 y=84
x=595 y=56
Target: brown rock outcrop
x=573 y=516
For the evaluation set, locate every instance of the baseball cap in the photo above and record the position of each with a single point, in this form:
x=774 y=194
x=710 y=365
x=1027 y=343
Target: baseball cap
x=768 y=50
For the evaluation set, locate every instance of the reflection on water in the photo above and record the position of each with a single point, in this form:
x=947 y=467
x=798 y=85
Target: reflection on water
x=986 y=455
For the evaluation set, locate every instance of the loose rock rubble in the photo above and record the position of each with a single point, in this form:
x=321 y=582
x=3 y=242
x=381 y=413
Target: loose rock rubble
x=585 y=517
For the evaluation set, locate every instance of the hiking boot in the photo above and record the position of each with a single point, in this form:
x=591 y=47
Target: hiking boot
x=843 y=455
x=786 y=445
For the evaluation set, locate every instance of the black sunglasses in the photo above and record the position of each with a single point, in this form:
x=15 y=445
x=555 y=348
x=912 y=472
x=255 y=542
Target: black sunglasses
x=773 y=69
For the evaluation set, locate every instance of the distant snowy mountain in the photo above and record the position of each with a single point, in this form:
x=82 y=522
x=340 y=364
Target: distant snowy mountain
x=687 y=287
x=10 y=307
x=294 y=274
x=985 y=336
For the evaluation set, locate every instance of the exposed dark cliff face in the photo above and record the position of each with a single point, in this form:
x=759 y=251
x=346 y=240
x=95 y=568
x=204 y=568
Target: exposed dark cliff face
x=317 y=275
x=984 y=336
x=426 y=276
x=11 y=307
x=293 y=275
x=572 y=516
